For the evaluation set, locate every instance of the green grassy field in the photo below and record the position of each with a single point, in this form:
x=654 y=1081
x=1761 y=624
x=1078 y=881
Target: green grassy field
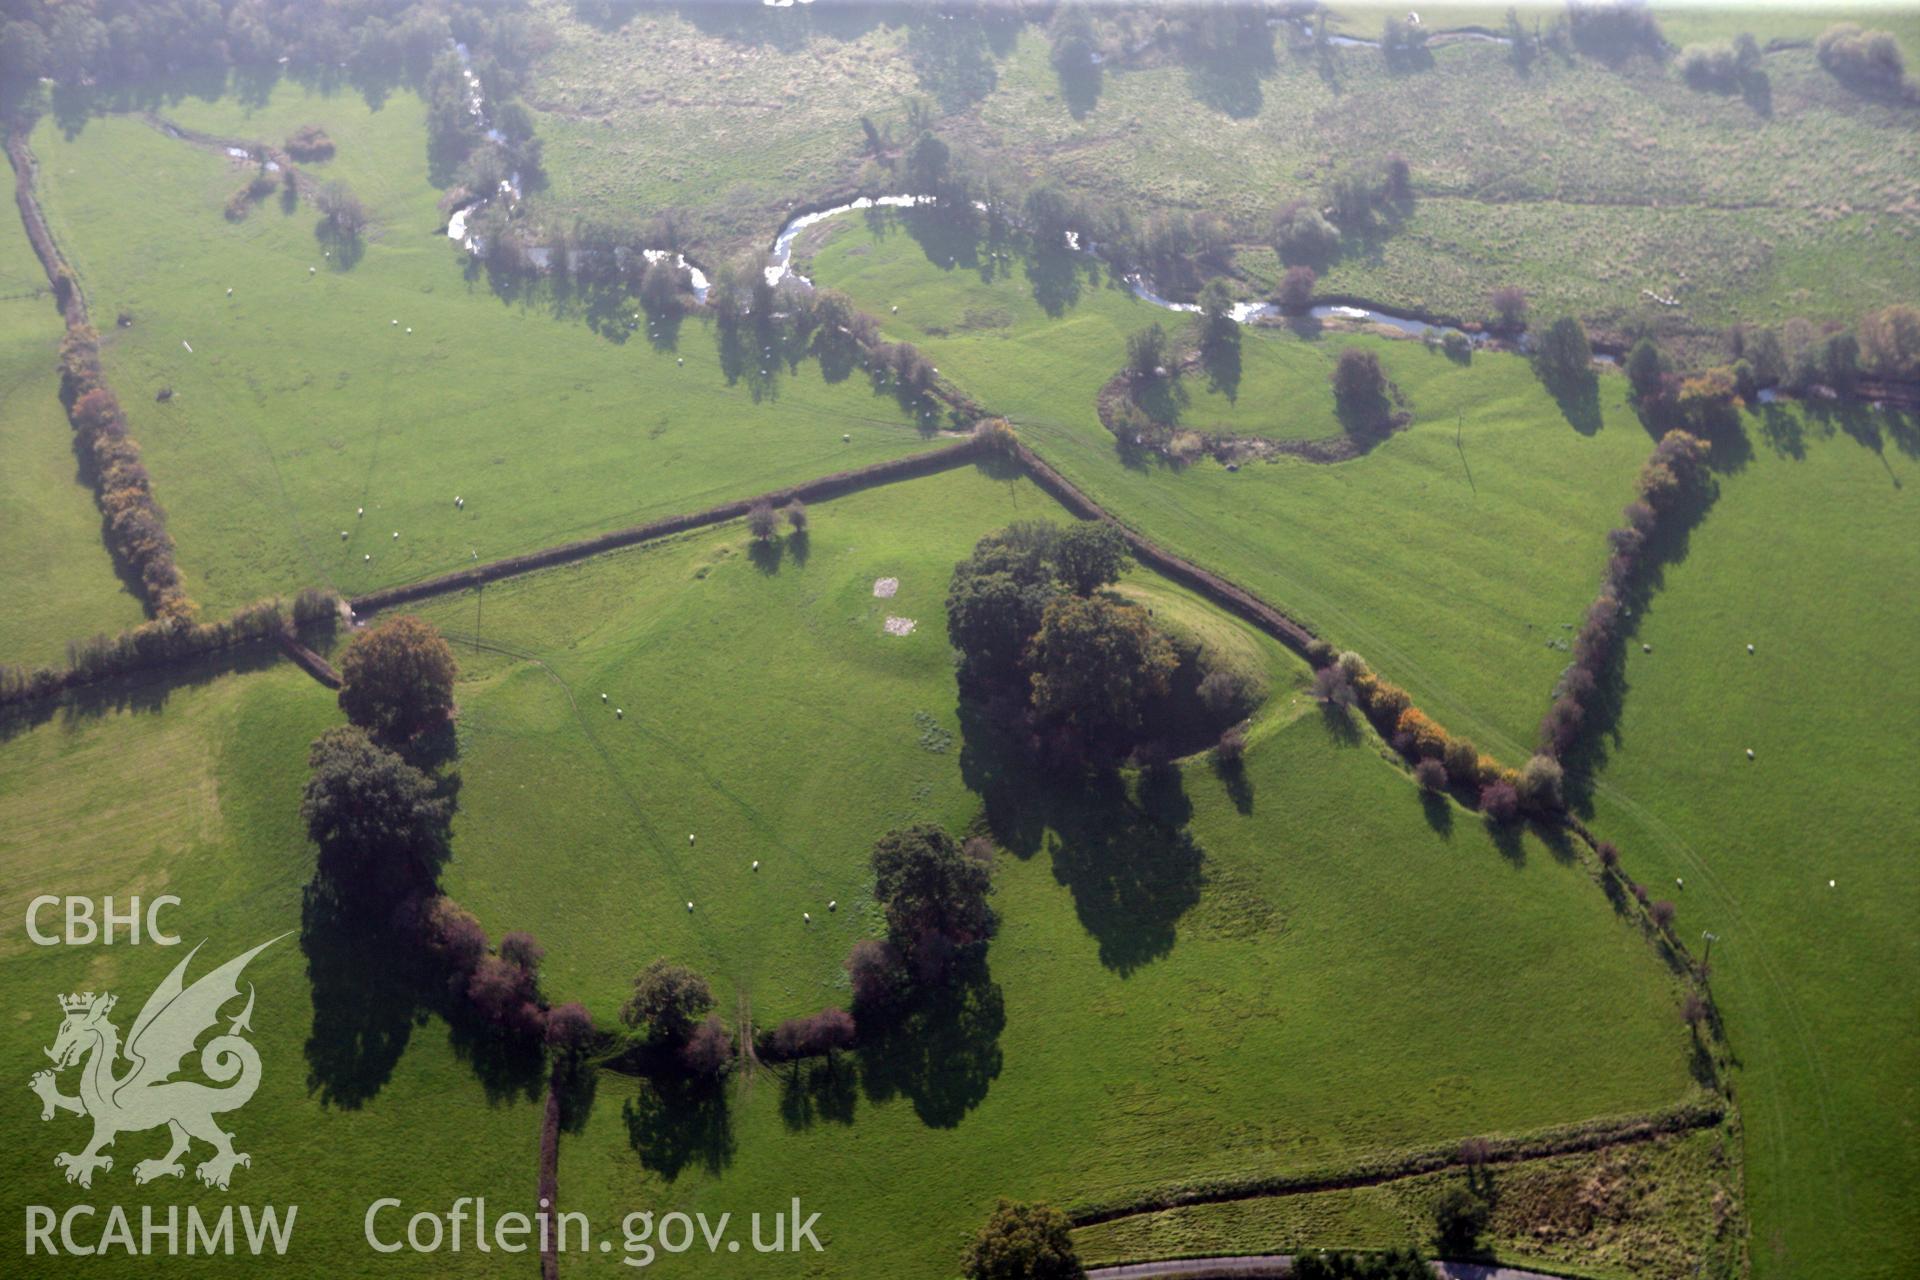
x=1809 y=558
x=55 y=573
x=1452 y=555
x=1291 y=971
x=301 y=401
x=191 y=787
x=1656 y=1211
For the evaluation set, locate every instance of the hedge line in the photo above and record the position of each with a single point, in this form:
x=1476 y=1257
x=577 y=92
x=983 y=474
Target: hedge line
x=169 y=639
x=136 y=526
x=830 y=486
x=1700 y=1113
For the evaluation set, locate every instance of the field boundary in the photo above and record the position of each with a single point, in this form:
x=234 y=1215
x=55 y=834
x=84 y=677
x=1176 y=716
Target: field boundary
x=838 y=484
x=1593 y=1136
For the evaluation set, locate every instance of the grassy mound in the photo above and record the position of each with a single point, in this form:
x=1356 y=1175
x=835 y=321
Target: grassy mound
x=1453 y=555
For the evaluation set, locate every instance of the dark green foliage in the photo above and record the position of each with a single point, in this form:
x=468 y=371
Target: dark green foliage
x=380 y=823
x=1460 y=1215
x=1565 y=357
x=1096 y=665
x=934 y=893
x=997 y=597
x=667 y=1000
x=1090 y=555
x=1644 y=369
x=1147 y=351
x=1023 y=1242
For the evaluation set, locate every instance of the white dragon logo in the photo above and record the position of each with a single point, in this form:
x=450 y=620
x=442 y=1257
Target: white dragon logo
x=146 y=1096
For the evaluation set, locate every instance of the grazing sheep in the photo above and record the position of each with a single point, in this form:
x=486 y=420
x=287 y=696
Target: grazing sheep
x=806 y=917
x=312 y=270
x=343 y=535
x=603 y=697
x=689 y=837
x=756 y=864
x=1749 y=753
x=1646 y=648
x=689 y=906
x=367 y=557
x=1749 y=648
x=358 y=512
x=619 y=713
x=229 y=293
x=396 y=535
x=833 y=905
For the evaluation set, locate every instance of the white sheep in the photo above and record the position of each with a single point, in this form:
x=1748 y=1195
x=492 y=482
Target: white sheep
x=833 y=905
x=343 y=535
x=1749 y=753
x=846 y=437
x=312 y=270
x=1646 y=648
x=367 y=557
x=619 y=713
x=1749 y=648
x=229 y=293
x=409 y=328
x=603 y=697
x=806 y=917
x=394 y=323
x=396 y=535
x=689 y=906
x=359 y=512
x=756 y=864
x=689 y=837
x=681 y=360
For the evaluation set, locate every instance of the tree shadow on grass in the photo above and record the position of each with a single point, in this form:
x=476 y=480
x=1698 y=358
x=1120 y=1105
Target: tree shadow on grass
x=943 y=1054
x=1221 y=359
x=819 y=1090
x=674 y=1121
x=1131 y=865
x=1439 y=813
x=366 y=1002
x=139 y=693
x=1579 y=400
x=1600 y=727
x=1054 y=272
x=1234 y=780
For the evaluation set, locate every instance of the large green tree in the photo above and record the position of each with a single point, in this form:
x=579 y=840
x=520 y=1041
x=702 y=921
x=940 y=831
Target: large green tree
x=1023 y=1242
x=934 y=891
x=381 y=824
x=1090 y=555
x=668 y=1000
x=1096 y=664
x=997 y=597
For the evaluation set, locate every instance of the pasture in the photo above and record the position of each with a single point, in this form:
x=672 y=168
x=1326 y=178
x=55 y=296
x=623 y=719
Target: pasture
x=1208 y=975
x=1454 y=556
x=304 y=397
x=190 y=786
x=1651 y=1211
x=57 y=578
x=1808 y=556
x=1801 y=203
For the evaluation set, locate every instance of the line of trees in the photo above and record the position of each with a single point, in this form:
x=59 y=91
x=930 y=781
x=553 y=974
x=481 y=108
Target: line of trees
x=1671 y=485
x=167 y=640
x=136 y=526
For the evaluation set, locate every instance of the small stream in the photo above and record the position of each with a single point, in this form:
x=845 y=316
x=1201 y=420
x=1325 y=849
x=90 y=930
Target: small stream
x=780 y=267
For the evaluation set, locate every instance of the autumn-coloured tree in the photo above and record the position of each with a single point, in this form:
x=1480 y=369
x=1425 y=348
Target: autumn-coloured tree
x=708 y=1049
x=397 y=679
